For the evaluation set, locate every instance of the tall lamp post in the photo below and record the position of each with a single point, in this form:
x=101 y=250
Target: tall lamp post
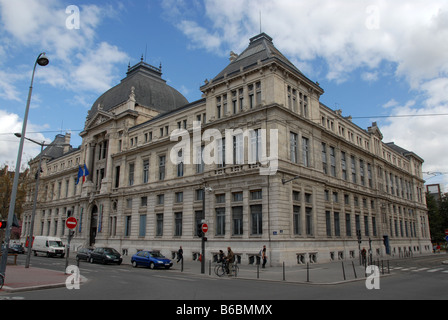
x=41 y=60
x=36 y=192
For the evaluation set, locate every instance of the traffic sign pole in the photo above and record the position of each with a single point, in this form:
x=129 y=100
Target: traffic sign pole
x=71 y=224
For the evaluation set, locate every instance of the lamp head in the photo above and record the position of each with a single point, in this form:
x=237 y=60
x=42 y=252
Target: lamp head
x=43 y=60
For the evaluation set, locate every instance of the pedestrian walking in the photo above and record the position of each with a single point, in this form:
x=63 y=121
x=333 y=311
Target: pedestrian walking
x=264 y=257
x=180 y=254
x=230 y=258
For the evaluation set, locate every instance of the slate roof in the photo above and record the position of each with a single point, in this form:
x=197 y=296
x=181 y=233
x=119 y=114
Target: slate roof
x=149 y=88
x=55 y=149
x=261 y=48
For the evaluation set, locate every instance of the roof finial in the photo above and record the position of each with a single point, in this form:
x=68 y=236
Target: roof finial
x=141 y=59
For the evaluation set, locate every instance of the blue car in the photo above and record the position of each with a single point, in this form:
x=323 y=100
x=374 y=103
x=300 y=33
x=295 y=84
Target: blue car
x=151 y=259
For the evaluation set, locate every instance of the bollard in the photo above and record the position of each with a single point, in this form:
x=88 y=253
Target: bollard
x=283 y=271
x=354 y=270
x=258 y=271
x=343 y=270
x=307 y=272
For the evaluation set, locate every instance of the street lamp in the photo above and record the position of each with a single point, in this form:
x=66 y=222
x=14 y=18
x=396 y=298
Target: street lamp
x=36 y=192
x=41 y=60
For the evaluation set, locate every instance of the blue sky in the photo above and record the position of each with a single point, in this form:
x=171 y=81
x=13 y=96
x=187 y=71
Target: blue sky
x=374 y=59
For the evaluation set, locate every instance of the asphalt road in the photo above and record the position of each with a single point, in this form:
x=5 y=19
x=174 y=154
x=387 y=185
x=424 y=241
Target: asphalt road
x=422 y=279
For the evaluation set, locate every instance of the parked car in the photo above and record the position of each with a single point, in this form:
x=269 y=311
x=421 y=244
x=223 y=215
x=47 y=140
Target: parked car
x=151 y=259
x=105 y=255
x=83 y=254
x=16 y=248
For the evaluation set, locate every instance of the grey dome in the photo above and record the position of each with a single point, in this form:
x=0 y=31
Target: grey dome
x=150 y=90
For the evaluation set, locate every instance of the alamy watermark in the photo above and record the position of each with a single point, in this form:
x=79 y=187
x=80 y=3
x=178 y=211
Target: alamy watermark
x=213 y=147
x=73 y=21
x=373 y=17
x=73 y=281
x=373 y=277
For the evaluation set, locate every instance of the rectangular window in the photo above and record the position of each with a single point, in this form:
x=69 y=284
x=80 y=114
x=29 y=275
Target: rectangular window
x=179 y=197
x=237 y=219
x=200 y=165
x=309 y=221
x=178 y=224
x=237 y=196
x=117 y=176
x=142 y=227
x=348 y=228
x=353 y=168
x=220 y=221
x=337 y=228
x=256 y=214
x=159 y=224
x=296 y=220
x=145 y=171
x=256 y=194
x=366 y=225
x=198 y=217
x=294 y=148
x=332 y=162
x=343 y=166
x=199 y=194
x=238 y=149
x=328 y=223
x=160 y=199
x=305 y=152
x=162 y=160
x=180 y=164
x=127 y=226
x=255 y=146
x=324 y=158
x=221 y=198
x=221 y=152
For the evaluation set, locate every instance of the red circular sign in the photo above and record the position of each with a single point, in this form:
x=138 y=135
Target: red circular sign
x=204 y=227
x=71 y=223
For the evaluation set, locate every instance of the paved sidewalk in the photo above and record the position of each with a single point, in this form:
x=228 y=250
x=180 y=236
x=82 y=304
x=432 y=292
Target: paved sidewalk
x=19 y=278
x=321 y=274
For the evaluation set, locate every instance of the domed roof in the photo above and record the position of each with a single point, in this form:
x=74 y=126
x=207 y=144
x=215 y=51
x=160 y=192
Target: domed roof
x=148 y=87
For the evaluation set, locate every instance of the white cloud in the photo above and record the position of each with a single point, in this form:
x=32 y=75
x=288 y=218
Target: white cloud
x=9 y=144
x=74 y=65
x=349 y=36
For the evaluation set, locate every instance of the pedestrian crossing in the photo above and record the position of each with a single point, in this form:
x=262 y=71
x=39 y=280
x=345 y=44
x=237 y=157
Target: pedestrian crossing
x=420 y=269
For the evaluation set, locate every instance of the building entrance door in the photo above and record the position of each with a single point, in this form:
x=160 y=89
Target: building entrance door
x=93 y=225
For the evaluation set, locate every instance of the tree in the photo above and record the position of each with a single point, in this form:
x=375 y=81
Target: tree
x=438 y=217
x=6 y=182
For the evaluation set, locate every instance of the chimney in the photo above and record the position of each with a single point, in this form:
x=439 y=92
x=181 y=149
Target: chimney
x=67 y=148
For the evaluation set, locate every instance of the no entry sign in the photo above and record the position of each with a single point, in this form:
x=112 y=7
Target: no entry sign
x=71 y=223
x=204 y=227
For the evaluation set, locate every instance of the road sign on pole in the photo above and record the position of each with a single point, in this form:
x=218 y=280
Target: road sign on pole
x=204 y=227
x=71 y=223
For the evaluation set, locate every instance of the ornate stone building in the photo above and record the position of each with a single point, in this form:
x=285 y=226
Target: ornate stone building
x=281 y=170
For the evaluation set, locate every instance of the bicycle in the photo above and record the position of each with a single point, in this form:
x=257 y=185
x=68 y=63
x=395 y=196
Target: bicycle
x=2 y=280
x=221 y=269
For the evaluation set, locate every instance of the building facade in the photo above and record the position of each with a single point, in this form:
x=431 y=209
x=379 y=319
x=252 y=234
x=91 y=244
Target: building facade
x=258 y=158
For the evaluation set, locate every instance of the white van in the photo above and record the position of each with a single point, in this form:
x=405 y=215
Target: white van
x=51 y=246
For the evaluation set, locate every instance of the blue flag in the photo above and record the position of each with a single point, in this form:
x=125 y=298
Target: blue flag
x=86 y=173
x=80 y=173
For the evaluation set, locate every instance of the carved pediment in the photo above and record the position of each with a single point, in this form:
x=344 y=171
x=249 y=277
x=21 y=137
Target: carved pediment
x=100 y=118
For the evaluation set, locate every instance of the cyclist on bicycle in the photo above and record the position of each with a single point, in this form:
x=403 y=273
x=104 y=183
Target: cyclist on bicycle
x=230 y=259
